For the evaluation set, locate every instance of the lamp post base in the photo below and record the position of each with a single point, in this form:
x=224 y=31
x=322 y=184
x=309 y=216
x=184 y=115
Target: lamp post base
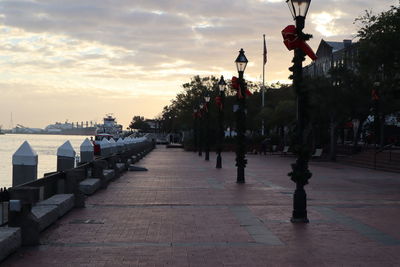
x=219 y=162
x=240 y=176
x=299 y=220
x=299 y=214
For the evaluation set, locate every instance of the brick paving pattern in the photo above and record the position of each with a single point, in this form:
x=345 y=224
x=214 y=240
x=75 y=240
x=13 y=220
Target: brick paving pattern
x=184 y=212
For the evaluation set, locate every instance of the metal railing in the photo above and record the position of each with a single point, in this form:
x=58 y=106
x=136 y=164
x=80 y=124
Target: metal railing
x=4 y=200
x=378 y=151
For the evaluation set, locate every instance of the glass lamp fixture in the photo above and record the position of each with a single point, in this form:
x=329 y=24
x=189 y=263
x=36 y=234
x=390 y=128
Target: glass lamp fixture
x=298 y=8
x=222 y=84
x=241 y=61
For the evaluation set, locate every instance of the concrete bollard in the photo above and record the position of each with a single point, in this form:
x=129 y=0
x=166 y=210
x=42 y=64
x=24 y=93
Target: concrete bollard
x=25 y=161
x=113 y=146
x=127 y=143
x=20 y=213
x=98 y=172
x=73 y=178
x=65 y=157
x=131 y=143
x=104 y=147
x=120 y=145
x=87 y=151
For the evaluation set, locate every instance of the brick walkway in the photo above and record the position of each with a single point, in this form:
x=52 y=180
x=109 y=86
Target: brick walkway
x=184 y=212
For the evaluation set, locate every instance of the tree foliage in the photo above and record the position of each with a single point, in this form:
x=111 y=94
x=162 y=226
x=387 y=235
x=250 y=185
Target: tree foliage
x=379 y=54
x=178 y=115
x=138 y=123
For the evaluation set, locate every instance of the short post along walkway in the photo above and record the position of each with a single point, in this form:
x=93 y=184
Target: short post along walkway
x=185 y=212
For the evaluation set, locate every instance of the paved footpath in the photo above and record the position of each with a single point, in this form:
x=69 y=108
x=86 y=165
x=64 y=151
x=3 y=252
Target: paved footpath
x=184 y=212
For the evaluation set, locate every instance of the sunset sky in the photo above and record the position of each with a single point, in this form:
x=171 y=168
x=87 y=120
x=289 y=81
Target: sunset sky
x=77 y=60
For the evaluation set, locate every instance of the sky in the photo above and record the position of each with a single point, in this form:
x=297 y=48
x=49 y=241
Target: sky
x=79 y=60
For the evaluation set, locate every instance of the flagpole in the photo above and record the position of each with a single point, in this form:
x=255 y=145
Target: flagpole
x=263 y=87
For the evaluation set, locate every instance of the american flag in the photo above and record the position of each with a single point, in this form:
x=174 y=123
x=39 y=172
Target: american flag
x=265 y=51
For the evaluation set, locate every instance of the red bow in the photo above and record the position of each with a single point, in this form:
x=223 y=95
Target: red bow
x=236 y=85
x=374 y=95
x=235 y=82
x=292 y=41
x=205 y=107
x=218 y=101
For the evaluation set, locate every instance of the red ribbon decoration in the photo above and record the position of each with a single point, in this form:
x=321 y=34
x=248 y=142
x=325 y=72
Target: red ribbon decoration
x=236 y=85
x=374 y=95
x=292 y=41
x=205 y=107
x=218 y=101
x=248 y=93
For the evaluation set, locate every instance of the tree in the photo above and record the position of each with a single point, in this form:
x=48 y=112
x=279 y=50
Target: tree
x=279 y=112
x=138 y=123
x=379 y=59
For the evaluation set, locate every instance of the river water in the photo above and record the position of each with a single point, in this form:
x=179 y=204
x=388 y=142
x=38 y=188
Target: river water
x=44 y=145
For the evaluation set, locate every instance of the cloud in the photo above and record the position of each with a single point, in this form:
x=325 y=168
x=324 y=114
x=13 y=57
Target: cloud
x=148 y=48
x=326 y=23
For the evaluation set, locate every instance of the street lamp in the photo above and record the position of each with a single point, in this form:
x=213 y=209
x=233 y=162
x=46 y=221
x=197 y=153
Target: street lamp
x=195 y=126
x=241 y=63
x=377 y=118
x=200 y=123
x=207 y=118
x=220 y=133
x=299 y=9
x=300 y=173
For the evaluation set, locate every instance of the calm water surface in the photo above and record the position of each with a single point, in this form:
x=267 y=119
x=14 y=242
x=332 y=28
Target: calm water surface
x=44 y=145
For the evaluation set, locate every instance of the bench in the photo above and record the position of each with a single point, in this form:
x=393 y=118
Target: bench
x=10 y=240
x=89 y=186
x=49 y=210
x=317 y=153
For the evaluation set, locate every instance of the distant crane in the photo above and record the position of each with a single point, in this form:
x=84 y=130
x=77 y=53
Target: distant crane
x=11 y=121
x=21 y=126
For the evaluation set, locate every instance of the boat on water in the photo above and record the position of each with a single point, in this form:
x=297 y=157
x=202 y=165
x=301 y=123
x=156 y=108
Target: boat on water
x=69 y=128
x=109 y=129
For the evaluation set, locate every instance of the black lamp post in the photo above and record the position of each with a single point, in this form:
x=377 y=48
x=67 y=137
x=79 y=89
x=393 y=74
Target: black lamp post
x=300 y=173
x=220 y=132
x=195 y=137
x=200 y=123
x=377 y=119
x=241 y=63
x=207 y=119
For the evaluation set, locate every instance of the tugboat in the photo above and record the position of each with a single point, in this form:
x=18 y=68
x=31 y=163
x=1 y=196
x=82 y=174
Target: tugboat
x=109 y=129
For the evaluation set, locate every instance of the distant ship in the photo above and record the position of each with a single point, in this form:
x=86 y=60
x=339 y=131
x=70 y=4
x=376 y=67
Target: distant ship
x=69 y=128
x=109 y=129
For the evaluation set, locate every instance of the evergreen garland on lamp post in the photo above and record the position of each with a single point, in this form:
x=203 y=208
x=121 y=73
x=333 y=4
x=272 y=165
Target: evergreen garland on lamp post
x=207 y=121
x=195 y=133
x=200 y=123
x=300 y=173
x=241 y=63
x=219 y=100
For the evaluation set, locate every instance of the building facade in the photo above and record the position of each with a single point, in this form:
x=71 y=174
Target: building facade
x=331 y=55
